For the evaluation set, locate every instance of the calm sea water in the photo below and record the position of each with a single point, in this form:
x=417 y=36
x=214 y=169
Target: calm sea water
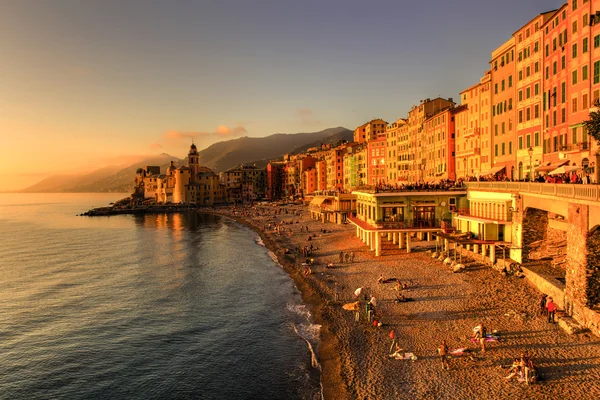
x=138 y=307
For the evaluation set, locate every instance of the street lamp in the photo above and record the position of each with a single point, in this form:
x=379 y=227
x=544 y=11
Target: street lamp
x=530 y=152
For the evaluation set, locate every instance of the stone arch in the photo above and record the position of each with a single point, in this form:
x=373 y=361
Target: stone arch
x=535 y=227
x=593 y=267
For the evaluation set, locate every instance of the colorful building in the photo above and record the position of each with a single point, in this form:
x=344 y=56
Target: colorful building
x=503 y=71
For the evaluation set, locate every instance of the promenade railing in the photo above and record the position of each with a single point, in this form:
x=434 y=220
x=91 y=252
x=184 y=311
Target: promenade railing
x=569 y=191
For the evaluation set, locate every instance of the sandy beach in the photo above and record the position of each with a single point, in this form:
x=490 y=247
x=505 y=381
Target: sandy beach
x=354 y=356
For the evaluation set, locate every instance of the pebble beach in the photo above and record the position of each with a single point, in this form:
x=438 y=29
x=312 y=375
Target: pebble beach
x=355 y=355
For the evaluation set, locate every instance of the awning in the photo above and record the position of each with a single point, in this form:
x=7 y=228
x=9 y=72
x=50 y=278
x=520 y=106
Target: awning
x=564 y=170
x=317 y=201
x=492 y=171
x=392 y=205
x=551 y=167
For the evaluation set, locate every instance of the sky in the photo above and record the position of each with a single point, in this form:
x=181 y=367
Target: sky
x=89 y=83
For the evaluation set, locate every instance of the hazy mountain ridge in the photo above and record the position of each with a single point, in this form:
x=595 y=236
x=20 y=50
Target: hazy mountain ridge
x=219 y=157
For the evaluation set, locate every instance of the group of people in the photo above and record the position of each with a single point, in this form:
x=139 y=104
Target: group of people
x=523 y=368
x=548 y=308
x=348 y=257
x=443 y=184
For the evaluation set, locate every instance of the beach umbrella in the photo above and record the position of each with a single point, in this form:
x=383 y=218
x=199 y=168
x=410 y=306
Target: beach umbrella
x=357 y=292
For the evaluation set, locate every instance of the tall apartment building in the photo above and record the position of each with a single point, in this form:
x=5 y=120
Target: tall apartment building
x=392 y=134
x=580 y=55
x=335 y=171
x=370 y=130
x=438 y=144
x=321 y=172
x=503 y=68
x=414 y=139
x=402 y=144
x=473 y=127
x=529 y=41
x=556 y=125
x=376 y=149
x=352 y=160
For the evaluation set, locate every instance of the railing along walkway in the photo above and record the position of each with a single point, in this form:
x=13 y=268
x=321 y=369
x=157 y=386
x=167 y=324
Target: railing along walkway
x=570 y=191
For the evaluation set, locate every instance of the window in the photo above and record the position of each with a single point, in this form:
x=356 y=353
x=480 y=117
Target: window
x=554 y=118
x=574 y=5
x=584 y=72
x=563 y=62
x=574 y=105
x=584 y=45
x=537 y=139
x=536 y=67
x=520 y=142
x=547 y=50
x=509 y=147
x=547 y=72
x=574 y=138
x=574 y=50
x=585 y=21
x=528 y=91
x=554 y=44
x=496 y=130
x=563 y=115
x=528 y=141
x=510 y=81
x=520 y=95
x=521 y=75
x=554 y=68
x=502 y=85
x=574 y=77
x=536 y=89
x=520 y=116
x=528 y=113
x=584 y=100
x=503 y=128
x=536 y=111
x=496 y=150
x=574 y=26
x=528 y=71
x=495 y=88
x=563 y=89
x=597 y=72
x=596 y=41
x=503 y=148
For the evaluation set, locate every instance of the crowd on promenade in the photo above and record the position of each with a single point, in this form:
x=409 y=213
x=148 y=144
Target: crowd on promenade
x=567 y=178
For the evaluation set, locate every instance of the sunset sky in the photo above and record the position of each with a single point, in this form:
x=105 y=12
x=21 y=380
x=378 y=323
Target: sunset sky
x=84 y=84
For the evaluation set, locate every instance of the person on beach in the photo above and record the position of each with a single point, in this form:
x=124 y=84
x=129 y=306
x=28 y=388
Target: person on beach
x=551 y=307
x=373 y=301
x=394 y=341
x=347 y=256
x=543 y=305
x=341 y=257
x=380 y=279
x=480 y=335
x=515 y=369
x=352 y=257
x=443 y=352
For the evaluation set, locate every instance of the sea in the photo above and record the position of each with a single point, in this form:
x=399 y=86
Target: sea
x=161 y=306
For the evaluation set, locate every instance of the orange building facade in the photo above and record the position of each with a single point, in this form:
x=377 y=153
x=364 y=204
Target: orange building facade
x=503 y=68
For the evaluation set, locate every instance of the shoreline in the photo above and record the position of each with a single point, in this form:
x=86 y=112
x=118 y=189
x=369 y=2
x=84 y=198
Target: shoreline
x=354 y=354
x=327 y=353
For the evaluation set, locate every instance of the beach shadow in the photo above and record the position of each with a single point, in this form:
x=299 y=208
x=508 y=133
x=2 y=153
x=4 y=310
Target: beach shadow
x=438 y=298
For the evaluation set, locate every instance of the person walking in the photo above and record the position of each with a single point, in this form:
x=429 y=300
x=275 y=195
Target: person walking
x=395 y=343
x=543 y=305
x=551 y=307
x=443 y=352
x=341 y=257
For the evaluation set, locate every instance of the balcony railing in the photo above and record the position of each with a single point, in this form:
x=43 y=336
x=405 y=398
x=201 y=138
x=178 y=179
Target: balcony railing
x=570 y=191
x=493 y=216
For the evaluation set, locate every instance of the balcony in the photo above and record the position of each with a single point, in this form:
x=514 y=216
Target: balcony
x=492 y=216
x=574 y=147
x=472 y=133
